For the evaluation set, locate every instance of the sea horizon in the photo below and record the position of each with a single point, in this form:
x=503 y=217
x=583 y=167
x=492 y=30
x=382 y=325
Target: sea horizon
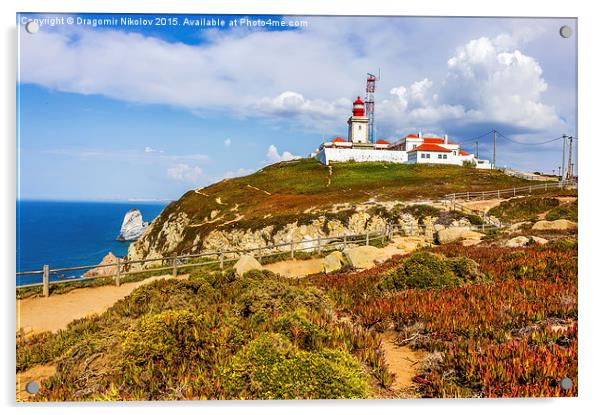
x=70 y=233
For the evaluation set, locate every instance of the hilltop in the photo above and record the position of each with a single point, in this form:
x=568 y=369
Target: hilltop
x=300 y=192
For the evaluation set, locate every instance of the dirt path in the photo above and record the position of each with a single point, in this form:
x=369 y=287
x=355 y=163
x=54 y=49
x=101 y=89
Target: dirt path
x=403 y=362
x=482 y=205
x=53 y=313
x=294 y=268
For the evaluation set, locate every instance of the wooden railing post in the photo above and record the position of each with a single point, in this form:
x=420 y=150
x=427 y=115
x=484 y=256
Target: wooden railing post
x=345 y=241
x=174 y=264
x=367 y=238
x=319 y=245
x=221 y=259
x=46 y=281
x=118 y=273
x=292 y=249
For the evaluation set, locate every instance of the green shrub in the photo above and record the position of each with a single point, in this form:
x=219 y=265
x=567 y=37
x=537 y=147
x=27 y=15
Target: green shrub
x=303 y=332
x=278 y=296
x=566 y=211
x=271 y=367
x=524 y=208
x=425 y=270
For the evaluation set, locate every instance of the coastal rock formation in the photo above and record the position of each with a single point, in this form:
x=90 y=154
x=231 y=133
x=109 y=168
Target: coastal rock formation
x=456 y=233
x=245 y=264
x=363 y=256
x=333 y=262
x=555 y=225
x=104 y=271
x=132 y=227
x=517 y=242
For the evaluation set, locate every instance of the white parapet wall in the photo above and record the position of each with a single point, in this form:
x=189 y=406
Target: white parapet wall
x=329 y=155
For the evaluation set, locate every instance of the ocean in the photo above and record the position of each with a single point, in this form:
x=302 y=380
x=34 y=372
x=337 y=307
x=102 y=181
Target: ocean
x=68 y=234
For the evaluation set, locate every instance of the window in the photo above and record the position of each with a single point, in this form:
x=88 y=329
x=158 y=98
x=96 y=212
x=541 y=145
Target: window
x=445 y=156
x=428 y=155
x=439 y=156
x=422 y=155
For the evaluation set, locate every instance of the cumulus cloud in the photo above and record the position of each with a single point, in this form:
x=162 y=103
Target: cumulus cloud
x=152 y=150
x=483 y=84
x=185 y=173
x=275 y=157
x=486 y=80
x=227 y=142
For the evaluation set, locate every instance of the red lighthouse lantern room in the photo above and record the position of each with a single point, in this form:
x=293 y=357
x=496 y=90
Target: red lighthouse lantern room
x=358 y=108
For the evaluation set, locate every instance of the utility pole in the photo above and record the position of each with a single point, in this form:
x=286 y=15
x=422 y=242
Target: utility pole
x=563 y=155
x=569 y=173
x=494 y=139
x=477 y=149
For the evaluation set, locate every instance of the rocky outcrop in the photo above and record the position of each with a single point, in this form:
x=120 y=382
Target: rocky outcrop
x=517 y=242
x=411 y=243
x=104 y=271
x=456 y=233
x=245 y=264
x=362 y=257
x=132 y=226
x=555 y=225
x=538 y=240
x=333 y=262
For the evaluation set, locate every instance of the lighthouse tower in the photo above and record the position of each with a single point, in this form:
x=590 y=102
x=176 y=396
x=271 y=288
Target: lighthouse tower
x=358 y=123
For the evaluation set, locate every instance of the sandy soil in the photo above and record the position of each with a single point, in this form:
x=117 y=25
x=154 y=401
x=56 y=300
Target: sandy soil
x=402 y=361
x=36 y=373
x=53 y=313
x=482 y=205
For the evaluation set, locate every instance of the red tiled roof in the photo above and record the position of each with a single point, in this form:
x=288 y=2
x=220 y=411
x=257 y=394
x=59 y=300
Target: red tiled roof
x=382 y=142
x=411 y=136
x=464 y=153
x=431 y=147
x=338 y=140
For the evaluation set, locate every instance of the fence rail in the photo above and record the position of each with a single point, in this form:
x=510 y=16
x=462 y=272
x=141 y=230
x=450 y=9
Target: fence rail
x=515 y=191
x=176 y=262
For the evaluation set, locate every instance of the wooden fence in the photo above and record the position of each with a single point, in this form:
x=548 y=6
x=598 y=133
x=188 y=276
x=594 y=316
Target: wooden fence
x=173 y=263
x=503 y=193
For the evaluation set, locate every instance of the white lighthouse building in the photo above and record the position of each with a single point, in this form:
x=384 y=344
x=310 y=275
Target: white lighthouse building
x=411 y=149
x=358 y=123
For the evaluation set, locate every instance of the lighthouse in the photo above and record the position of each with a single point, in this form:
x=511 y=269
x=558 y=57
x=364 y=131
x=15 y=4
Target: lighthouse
x=358 y=123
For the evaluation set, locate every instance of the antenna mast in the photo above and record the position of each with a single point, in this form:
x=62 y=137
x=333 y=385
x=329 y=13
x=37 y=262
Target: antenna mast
x=369 y=101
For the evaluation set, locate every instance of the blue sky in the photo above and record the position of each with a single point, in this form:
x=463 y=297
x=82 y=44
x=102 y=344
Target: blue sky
x=129 y=112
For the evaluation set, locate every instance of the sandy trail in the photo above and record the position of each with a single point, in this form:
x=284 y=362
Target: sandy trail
x=37 y=314
x=402 y=361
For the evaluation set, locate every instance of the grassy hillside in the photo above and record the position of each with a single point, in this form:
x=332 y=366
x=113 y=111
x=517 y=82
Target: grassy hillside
x=283 y=192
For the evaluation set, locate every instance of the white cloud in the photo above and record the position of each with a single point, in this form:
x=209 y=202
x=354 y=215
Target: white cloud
x=487 y=79
x=274 y=157
x=152 y=150
x=185 y=173
x=227 y=142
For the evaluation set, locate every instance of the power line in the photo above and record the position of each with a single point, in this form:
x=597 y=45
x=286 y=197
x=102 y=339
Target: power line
x=529 y=144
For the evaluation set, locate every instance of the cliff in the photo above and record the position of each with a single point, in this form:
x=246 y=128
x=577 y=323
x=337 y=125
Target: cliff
x=305 y=199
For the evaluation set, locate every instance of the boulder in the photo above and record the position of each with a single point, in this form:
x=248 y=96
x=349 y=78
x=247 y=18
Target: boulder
x=333 y=262
x=456 y=233
x=470 y=242
x=554 y=225
x=245 y=264
x=363 y=256
x=439 y=227
x=132 y=226
x=410 y=243
x=538 y=240
x=517 y=242
x=109 y=259
x=515 y=227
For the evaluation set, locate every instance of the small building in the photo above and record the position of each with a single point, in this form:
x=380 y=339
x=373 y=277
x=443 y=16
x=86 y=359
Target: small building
x=411 y=149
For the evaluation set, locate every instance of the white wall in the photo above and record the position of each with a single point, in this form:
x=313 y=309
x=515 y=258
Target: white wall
x=328 y=155
x=434 y=158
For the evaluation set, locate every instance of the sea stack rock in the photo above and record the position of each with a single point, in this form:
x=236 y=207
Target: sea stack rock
x=132 y=227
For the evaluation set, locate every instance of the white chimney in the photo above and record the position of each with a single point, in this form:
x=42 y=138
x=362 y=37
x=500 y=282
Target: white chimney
x=420 y=134
x=445 y=137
